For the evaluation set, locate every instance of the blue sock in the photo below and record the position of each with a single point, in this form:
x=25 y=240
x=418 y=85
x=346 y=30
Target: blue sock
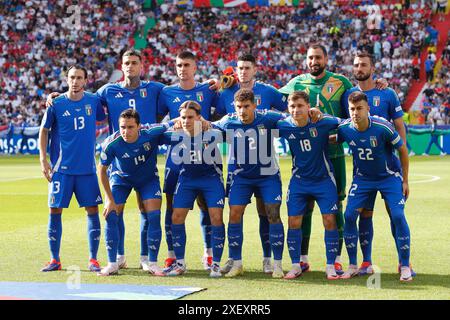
x=168 y=229
x=294 y=242
x=351 y=235
x=121 y=226
x=403 y=235
x=366 y=237
x=218 y=242
x=331 y=245
x=277 y=240
x=154 y=234
x=93 y=234
x=144 y=228
x=264 y=235
x=235 y=238
x=394 y=235
x=179 y=240
x=54 y=234
x=205 y=222
x=112 y=236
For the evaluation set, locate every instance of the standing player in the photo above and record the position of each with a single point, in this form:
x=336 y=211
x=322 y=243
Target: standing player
x=201 y=173
x=170 y=101
x=377 y=168
x=383 y=103
x=325 y=90
x=133 y=151
x=71 y=122
x=312 y=179
x=143 y=97
x=266 y=98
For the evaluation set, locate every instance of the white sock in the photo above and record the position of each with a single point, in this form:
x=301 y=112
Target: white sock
x=304 y=258
x=277 y=262
x=180 y=261
x=144 y=259
x=113 y=265
x=208 y=252
x=338 y=259
x=171 y=254
x=237 y=263
x=296 y=266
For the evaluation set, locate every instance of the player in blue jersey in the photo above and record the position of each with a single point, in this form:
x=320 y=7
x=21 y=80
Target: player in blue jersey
x=133 y=151
x=169 y=103
x=377 y=168
x=143 y=97
x=71 y=123
x=383 y=103
x=199 y=156
x=312 y=179
x=266 y=98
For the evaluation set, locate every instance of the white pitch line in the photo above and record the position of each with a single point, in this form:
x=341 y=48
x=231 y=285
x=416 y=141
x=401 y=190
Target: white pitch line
x=21 y=179
x=431 y=179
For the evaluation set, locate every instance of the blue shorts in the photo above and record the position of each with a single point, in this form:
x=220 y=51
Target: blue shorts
x=362 y=190
x=149 y=190
x=301 y=191
x=171 y=177
x=188 y=189
x=242 y=189
x=228 y=186
x=62 y=187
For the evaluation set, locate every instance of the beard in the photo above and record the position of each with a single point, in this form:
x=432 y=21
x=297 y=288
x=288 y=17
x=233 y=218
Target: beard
x=362 y=77
x=318 y=71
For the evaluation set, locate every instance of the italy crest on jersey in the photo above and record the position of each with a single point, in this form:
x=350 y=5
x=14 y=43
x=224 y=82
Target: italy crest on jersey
x=88 y=109
x=199 y=96
x=143 y=93
x=258 y=99
x=330 y=88
x=376 y=101
x=146 y=146
x=313 y=132
x=373 y=141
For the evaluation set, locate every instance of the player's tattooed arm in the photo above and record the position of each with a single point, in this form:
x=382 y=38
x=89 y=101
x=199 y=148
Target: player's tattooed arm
x=273 y=212
x=45 y=166
x=50 y=97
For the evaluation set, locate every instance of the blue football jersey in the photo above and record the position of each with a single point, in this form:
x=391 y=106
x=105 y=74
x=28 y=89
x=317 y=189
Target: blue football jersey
x=143 y=99
x=266 y=98
x=197 y=156
x=173 y=96
x=251 y=155
x=72 y=135
x=383 y=103
x=134 y=163
x=309 y=146
x=372 y=149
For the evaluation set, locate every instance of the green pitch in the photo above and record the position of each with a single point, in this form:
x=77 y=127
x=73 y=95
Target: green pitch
x=24 y=247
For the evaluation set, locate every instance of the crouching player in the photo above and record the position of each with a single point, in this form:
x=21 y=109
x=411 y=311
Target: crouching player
x=201 y=174
x=133 y=151
x=312 y=179
x=377 y=168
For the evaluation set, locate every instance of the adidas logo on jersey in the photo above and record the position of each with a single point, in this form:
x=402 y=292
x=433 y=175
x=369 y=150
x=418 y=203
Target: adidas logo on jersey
x=291 y=136
x=126 y=155
x=99 y=199
x=335 y=207
x=402 y=202
x=220 y=201
x=352 y=143
x=176 y=100
x=278 y=198
x=158 y=193
x=119 y=95
x=66 y=114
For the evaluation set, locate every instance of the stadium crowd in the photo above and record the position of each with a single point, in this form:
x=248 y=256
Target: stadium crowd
x=35 y=42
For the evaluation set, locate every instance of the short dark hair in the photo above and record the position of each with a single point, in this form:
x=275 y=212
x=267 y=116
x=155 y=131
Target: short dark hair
x=190 y=104
x=131 y=114
x=77 y=67
x=319 y=46
x=186 y=55
x=364 y=54
x=357 y=96
x=244 y=95
x=131 y=53
x=247 y=57
x=299 y=95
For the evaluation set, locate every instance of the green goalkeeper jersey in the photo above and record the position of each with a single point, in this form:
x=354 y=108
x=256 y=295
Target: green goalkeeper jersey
x=325 y=94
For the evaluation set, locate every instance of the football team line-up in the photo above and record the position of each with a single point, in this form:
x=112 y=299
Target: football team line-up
x=314 y=113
